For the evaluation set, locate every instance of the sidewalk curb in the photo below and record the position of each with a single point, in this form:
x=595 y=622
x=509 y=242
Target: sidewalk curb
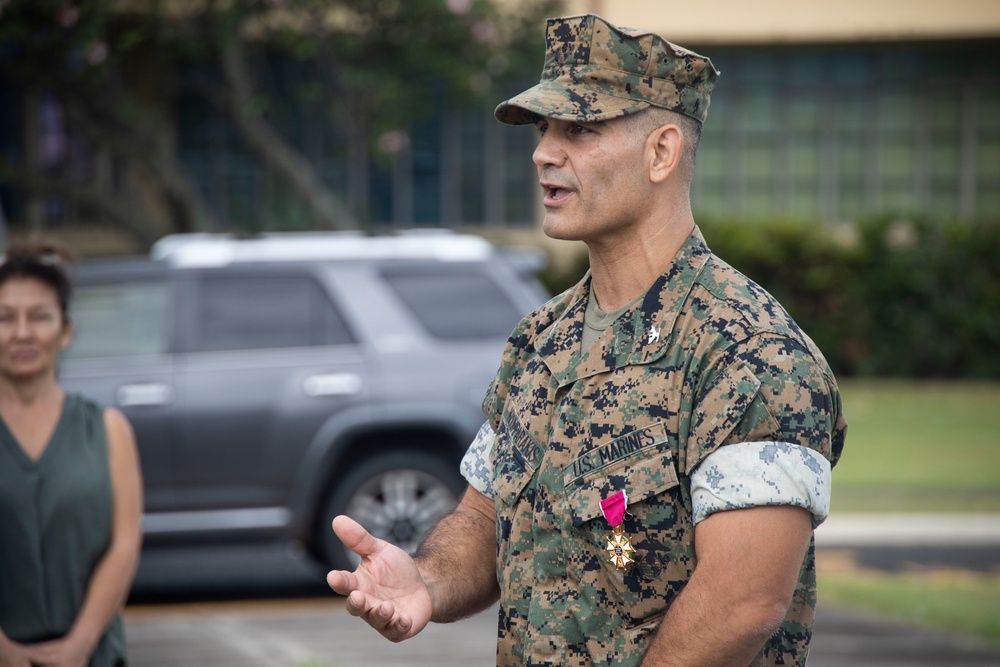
x=931 y=530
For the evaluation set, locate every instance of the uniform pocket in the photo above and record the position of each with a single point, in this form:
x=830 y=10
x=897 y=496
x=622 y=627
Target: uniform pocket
x=639 y=462
x=642 y=464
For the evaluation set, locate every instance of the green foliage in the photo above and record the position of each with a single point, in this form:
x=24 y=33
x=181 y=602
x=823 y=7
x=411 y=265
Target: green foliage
x=373 y=68
x=884 y=297
x=398 y=58
x=881 y=297
x=393 y=55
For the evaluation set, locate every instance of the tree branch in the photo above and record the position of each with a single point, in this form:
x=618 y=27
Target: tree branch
x=104 y=125
x=274 y=150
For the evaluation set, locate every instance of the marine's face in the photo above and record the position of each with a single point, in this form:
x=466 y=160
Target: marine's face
x=592 y=179
x=32 y=328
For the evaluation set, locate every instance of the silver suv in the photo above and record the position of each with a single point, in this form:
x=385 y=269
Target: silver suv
x=277 y=381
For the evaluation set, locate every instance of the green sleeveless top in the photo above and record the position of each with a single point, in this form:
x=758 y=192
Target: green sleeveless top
x=55 y=525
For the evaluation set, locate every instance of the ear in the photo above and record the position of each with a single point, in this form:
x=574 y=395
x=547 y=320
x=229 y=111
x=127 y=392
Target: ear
x=67 y=334
x=666 y=145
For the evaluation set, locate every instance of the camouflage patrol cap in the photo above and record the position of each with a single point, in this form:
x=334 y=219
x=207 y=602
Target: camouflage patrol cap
x=595 y=71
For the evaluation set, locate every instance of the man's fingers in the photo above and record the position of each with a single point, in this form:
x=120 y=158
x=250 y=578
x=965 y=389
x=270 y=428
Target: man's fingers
x=380 y=560
x=377 y=613
x=354 y=536
x=358 y=540
x=342 y=581
x=357 y=604
x=398 y=630
x=389 y=623
x=380 y=614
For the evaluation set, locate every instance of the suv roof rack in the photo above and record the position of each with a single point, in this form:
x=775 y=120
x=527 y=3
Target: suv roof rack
x=207 y=249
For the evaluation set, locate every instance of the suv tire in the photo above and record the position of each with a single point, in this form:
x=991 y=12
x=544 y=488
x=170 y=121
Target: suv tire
x=396 y=496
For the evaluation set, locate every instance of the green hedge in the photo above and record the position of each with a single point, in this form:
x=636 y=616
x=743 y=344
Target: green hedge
x=883 y=297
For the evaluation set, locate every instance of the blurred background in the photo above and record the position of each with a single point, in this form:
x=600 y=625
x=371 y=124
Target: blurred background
x=850 y=163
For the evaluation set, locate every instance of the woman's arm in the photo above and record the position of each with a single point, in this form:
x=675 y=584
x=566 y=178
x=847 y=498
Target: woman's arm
x=12 y=654
x=112 y=578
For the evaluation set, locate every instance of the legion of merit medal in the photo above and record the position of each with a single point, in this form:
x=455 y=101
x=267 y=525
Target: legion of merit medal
x=619 y=547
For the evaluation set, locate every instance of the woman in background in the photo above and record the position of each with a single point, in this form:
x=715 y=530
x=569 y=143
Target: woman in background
x=70 y=485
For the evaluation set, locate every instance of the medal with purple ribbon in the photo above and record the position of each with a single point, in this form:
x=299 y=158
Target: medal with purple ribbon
x=619 y=545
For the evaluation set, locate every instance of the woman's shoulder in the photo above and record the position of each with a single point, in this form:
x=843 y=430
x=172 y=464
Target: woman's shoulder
x=103 y=422
x=84 y=405
x=96 y=418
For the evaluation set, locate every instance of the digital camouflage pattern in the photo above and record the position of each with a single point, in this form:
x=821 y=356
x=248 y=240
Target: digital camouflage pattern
x=762 y=473
x=706 y=359
x=595 y=71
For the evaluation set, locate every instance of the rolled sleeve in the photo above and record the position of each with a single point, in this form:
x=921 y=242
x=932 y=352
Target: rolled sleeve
x=475 y=466
x=753 y=474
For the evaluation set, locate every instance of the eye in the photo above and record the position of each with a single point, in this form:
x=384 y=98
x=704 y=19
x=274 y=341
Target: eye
x=41 y=315
x=541 y=126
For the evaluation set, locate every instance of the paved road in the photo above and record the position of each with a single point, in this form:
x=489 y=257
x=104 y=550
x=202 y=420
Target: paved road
x=314 y=630
x=320 y=633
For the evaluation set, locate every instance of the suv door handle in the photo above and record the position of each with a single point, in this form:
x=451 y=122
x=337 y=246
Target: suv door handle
x=148 y=394
x=332 y=384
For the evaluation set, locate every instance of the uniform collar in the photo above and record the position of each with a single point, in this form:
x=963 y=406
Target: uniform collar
x=639 y=336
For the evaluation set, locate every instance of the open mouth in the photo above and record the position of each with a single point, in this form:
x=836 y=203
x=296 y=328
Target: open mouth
x=555 y=194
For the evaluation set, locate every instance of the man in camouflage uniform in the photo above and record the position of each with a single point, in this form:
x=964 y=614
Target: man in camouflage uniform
x=665 y=381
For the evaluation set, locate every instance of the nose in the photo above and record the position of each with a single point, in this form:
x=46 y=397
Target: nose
x=22 y=328
x=548 y=151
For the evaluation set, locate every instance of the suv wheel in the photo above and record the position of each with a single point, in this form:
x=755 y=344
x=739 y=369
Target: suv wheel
x=397 y=497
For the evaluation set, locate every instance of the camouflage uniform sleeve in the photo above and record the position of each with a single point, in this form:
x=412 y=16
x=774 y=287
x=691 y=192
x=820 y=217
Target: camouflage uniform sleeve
x=475 y=466
x=755 y=474
x=766 y=429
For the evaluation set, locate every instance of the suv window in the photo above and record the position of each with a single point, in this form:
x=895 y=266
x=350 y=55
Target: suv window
x=119 y=320
x=454 y=302
x=244 y=313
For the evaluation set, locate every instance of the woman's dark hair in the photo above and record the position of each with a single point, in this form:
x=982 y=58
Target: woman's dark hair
x=42 y=260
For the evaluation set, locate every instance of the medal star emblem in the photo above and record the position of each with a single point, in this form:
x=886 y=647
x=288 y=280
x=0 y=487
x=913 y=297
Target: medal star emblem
x=620 y=550
x=654 y=335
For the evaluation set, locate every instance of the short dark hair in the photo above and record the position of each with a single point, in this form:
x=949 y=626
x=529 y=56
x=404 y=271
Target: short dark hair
x=42 y=260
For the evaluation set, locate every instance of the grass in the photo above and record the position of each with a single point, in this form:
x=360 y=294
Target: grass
x=965 y=602
x=920 y=447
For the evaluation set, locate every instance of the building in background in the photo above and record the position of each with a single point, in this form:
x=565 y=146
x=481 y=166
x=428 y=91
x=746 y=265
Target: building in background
x=824 y=112
x=833 y=111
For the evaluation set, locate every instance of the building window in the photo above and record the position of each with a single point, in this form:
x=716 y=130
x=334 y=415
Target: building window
x=834 y=133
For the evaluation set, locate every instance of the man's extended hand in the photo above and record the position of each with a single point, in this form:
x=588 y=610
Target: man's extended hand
x=386 y=590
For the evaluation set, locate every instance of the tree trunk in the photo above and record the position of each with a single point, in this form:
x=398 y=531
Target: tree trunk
x=96 y=113
x=37 y=184
x=358 y=188
x=146 y=147
x=31 y=136
x=272 y=149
